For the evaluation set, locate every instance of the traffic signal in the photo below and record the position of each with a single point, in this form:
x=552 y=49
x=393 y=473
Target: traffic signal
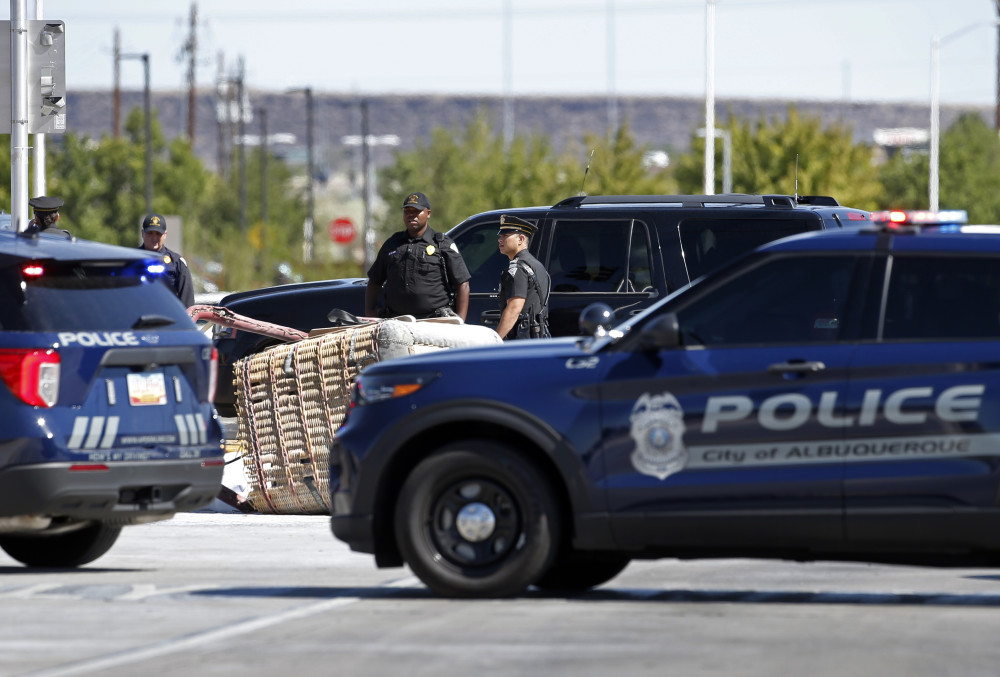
x=46 y=77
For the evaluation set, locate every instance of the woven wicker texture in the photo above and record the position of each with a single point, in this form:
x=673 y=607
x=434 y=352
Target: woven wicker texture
x=290 y=399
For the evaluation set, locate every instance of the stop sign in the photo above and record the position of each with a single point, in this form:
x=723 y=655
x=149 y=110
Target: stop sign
x=341 y=230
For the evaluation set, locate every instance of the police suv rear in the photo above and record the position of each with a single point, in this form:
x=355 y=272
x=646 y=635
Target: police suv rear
x=834 y=395
x=106 y=401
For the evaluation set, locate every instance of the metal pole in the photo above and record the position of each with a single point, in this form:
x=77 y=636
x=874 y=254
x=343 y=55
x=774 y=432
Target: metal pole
x=366 y=186
x=727 y=159
x=39 y=151
x=241 y=152
x=116 y=97
x=612 y=95
x=508 y=79
x=932 y=184
x=307 y=248
x=710 y=97
x=19 y=114
x=263 y=166
x=148 y=109
x=935 y=155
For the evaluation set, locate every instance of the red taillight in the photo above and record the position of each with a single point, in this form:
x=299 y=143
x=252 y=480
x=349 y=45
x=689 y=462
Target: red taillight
x=32 y=375
x=213 y=375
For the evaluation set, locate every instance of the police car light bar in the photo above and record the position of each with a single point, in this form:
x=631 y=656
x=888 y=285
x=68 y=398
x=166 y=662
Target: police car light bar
x=893 y=218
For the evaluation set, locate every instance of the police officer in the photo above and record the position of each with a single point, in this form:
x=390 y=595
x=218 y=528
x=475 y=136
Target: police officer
x=46 y=216
x=524 y=286
x=177 y=275
x=420 y=269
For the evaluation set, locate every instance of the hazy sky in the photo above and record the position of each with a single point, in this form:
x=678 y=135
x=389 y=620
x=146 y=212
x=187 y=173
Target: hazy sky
x=861 y=50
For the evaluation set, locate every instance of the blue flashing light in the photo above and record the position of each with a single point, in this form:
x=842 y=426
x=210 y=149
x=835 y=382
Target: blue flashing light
x=156 y=269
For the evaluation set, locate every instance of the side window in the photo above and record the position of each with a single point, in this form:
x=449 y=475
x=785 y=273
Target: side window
x=599 y=256
x=709 y=243
x=791 y=299
x=478 y=246
x=941 y=297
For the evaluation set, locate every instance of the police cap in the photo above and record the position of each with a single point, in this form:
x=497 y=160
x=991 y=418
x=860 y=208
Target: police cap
x=155 y=222
x=43 y=203
x=417 y=200
x=513 y=224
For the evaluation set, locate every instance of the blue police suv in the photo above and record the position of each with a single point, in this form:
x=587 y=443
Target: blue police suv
x=833 y=395
x=106 y=399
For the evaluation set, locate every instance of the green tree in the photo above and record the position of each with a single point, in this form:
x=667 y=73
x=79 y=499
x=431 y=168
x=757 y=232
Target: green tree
x=793 y=155
x=469 y=171
x=969 y=173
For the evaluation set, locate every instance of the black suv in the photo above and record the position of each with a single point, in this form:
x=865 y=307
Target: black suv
x=624 y=250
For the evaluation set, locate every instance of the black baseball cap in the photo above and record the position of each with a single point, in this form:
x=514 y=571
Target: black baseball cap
x=418 y=200
x=155 y=222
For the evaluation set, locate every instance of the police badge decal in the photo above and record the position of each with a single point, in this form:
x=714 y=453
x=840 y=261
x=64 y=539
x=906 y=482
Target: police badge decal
x=658 y=427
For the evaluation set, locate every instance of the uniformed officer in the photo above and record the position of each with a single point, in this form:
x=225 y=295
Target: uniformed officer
x=422 y=271
x=46 y=216
x=178 y=275
x=524 y=286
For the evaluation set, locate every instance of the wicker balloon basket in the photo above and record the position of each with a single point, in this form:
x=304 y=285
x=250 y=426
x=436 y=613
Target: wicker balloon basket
x=291 y=399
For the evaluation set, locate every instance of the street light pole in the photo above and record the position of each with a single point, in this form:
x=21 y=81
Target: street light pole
x=308 y=229
x=936 y=42
x=709 y=97
x=147 y=111
x=727 y=158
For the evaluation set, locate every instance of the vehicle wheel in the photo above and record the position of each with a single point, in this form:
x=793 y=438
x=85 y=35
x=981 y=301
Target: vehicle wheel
x=578 y=571
x=476 y=520
x=70 y=549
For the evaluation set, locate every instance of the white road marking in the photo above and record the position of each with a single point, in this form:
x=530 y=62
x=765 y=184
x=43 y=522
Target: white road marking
x=213 y=637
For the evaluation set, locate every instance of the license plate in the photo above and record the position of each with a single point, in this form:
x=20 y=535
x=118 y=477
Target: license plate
x=146 y=389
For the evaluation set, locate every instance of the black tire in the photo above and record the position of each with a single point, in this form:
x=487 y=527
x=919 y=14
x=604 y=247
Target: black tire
x=454 y=493
x=578 y=571
x=62 y=551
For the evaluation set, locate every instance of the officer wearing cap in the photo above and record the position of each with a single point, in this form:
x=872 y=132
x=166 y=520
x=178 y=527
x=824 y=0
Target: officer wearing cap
x=421 y=271
x=46 y=216
x=524 y=286
x=177 y=275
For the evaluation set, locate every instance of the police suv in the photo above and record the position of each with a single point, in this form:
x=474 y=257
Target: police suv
x=833 y=395
x=106 y=403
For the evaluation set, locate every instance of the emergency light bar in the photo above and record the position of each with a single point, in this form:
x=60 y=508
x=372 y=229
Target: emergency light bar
x=920 y=217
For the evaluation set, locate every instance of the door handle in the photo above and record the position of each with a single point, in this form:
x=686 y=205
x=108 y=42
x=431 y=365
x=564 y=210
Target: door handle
x=796 y=367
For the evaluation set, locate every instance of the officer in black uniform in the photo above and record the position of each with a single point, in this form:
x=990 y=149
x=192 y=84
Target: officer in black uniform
x=524 y=286
x=46 y=211
x=178 y=275
x=422 y=271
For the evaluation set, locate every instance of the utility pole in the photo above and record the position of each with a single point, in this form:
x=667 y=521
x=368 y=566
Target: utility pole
x=148 y=114
x=263 y=167
x=307 y=249
x=116 y=97
x=38 y=169
x=191 y=47
x=366 y=186
x=222 y=114
x=996 y=4
x=242 y=152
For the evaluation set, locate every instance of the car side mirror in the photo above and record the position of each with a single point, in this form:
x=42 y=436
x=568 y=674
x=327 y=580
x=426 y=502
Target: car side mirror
x=596 y=319
x=661 y=334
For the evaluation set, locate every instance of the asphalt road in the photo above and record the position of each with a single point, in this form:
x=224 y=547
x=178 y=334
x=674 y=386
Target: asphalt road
x=275 y=596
